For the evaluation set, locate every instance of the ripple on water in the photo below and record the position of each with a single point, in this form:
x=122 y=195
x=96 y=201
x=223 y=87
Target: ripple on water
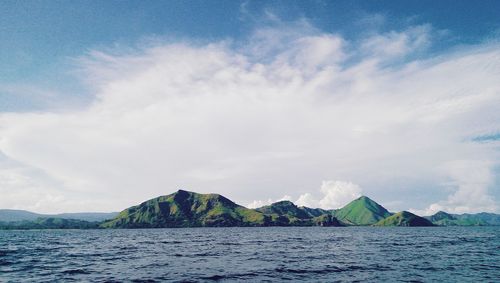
x=356 y=254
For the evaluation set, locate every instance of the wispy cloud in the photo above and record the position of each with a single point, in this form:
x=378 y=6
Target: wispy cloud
x=487 y=138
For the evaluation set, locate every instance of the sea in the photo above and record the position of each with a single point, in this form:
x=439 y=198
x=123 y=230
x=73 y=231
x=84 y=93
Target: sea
x=271 y=254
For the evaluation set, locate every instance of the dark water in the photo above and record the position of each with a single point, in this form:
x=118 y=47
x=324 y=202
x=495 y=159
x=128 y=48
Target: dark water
x=460 y=254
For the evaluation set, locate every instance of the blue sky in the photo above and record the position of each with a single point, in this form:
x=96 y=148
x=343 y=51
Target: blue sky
x=39 y=38
x=403 y=109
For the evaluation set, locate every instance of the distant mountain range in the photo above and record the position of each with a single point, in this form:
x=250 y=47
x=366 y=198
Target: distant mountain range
x=479 y=219
x=7 y=215
x=189 y=209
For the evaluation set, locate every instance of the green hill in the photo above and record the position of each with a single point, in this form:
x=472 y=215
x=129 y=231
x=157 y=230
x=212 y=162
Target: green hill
x=484 y=218
x=361 y=211
x=9 y=215
x=442 y=218
x=284 y=209
x=187 y=209
x=48 y=223
x=315 y=212
x=286 y=213
x=327 y=220
x=404 y=218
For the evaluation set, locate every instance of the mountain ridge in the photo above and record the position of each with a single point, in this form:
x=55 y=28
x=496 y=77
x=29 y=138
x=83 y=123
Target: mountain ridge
x=404 y=218
x=9 y=215
x=190 y=209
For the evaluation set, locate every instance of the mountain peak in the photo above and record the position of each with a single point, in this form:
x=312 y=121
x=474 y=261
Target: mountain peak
x=284 y=207
x=362 y=211
x=364 y=199
x=284 y=203
x=181 y=191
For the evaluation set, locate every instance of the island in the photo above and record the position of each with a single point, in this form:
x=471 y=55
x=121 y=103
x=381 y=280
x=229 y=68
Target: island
x=183 y=209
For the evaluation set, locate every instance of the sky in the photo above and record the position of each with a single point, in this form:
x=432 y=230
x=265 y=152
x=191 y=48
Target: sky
x=104 y=104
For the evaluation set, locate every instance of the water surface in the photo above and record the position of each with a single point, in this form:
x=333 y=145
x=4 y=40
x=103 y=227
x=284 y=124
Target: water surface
x=450 y=254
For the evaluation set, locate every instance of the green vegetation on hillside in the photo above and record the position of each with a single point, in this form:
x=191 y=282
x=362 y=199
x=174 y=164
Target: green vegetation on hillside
x=189 y=209
x=442 y=218
x=186 y=209
x=361 y=211
x=286 y=213
x=11 y=215
x=48 y=223
x=404 y=218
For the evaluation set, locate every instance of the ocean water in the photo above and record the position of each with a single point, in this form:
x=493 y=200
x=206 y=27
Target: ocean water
x=312 y=254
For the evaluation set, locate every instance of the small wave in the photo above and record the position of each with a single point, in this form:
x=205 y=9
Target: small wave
x=5 y=252
x=308 y=271
x=171 y=242
x=429 y=268
x=235 y=276
x=144 y=280
x=215 y=277
x=75 y=271
x=6 y=262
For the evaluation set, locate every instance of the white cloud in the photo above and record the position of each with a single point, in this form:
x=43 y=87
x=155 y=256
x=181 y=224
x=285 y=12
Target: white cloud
x=470 y=181
x=338 y=194
x=270 y=118
x=307 y=200
x=260 y=203
x=335 y=194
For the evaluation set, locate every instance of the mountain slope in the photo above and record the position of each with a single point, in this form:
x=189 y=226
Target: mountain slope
x=284 y=207
x=361 y=211
x=85 y=216
x=482 y=217
x=314 y=212
x=187 y=209
x=404 y=218
x=442 y=218
x=8 y=215
x=286 y=213
x=49 y=223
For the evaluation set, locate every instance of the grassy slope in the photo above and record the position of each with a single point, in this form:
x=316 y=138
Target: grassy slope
x=186 y=209
x=49 y=223
x=361 y=211
x=479 y=219
x=286 y=213
x=404 y=218
x=9 y=215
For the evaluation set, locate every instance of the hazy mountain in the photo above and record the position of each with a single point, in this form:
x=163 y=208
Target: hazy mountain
x=8 y=215
x=442 y=218
x=49 y=223
x=404 y=218
x=87 y=216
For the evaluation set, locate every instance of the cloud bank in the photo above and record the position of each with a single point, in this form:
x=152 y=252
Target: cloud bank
x=267 y=117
